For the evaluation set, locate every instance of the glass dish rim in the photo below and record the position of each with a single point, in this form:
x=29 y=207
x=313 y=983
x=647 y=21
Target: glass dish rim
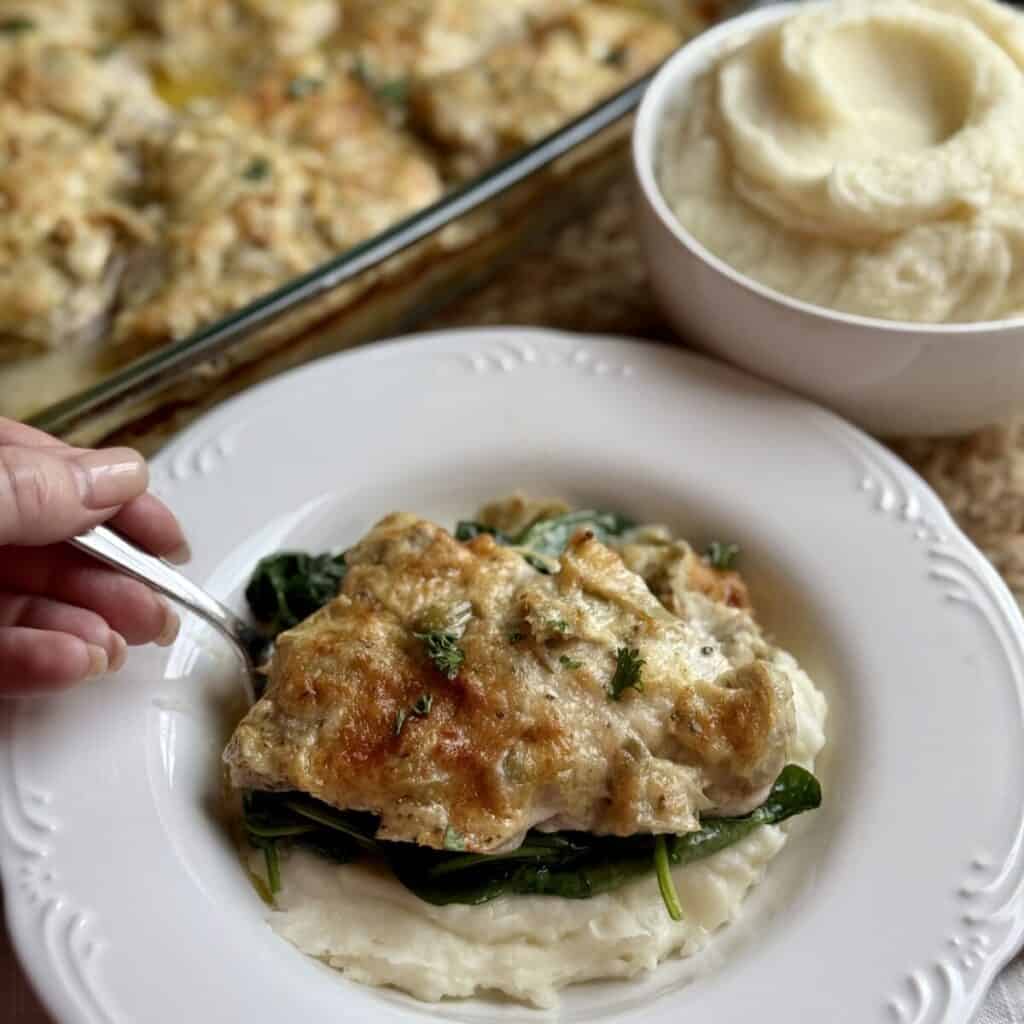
x=172 y=361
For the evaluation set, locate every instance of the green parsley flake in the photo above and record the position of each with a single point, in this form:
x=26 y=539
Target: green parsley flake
x=568 y=662
x=721 y=556
x=257 y=169
x=303 y=86
x=15 y=25
x=444 y=651
x=628 y=667
x=616 y=57
x=419 y=710
x=396 y=91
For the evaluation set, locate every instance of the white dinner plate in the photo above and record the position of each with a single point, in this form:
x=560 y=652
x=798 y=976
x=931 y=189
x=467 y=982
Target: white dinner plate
x=896 y=902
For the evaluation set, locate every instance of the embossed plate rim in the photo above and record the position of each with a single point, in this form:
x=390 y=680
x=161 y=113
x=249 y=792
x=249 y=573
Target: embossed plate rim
x=61 y=924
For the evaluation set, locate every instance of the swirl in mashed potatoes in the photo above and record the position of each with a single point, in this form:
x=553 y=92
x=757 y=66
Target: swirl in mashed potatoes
x=865 y=156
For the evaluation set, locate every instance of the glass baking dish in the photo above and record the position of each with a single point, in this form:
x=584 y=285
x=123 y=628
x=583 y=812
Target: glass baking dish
x=301 y=310
x=381 y=286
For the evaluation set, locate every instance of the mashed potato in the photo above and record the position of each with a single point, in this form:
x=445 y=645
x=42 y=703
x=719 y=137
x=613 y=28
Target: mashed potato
x=365 y=923
x=864 y=155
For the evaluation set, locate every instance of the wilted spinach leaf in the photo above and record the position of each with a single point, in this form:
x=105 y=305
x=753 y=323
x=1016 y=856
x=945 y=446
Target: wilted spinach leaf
x=573 y=865
x=578 y=865
x=547 y=538
x=288 y=587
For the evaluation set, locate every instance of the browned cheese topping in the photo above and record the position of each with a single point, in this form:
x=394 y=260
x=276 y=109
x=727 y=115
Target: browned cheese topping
x=526 y=728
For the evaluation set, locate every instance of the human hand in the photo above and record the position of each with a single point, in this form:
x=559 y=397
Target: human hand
x=63 y=616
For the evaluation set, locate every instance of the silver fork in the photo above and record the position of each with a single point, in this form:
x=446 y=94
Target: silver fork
x=114 y=550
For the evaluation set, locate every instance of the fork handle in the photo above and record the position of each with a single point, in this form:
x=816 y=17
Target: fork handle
x=103 y=543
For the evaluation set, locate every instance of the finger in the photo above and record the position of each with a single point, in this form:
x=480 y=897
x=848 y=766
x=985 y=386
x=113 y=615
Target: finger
x=145 y=519
x=57 y=617
x=45 y=498
x=36 y=660
x=13 y=432
x=151 y=524
x=61 y=573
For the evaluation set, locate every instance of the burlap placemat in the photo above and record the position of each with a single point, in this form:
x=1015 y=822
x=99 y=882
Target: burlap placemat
x=590 y=277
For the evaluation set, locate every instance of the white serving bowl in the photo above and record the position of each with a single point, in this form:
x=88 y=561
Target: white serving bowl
x=894 y=378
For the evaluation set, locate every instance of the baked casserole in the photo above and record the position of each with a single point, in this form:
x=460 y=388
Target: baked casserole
x=164 y=163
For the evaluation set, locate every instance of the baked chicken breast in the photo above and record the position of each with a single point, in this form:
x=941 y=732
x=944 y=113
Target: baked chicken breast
x=464 y=698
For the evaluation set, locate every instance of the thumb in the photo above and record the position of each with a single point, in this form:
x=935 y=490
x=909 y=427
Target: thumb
x=48 y=495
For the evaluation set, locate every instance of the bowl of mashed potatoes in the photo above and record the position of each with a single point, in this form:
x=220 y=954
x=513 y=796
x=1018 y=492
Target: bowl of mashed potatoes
x=832 y=196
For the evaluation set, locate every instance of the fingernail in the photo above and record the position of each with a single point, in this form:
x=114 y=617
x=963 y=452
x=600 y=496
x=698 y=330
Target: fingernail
x=169 y=630
x=179 y=556
x=110 y=476
x=98 y=662
x=120 y=651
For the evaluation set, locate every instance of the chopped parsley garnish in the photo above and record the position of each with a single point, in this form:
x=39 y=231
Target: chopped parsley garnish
x=256 y=169
x=616 y=57
x=721 y=556
x=568 y=662
x=558 y=625
x=515 y=636
x=16 y=25
x=360 y=71
x=303 y=86
x=419 y=710
x=453 y=839
x=628 y=667
x=444 y=651
x=395 y=91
